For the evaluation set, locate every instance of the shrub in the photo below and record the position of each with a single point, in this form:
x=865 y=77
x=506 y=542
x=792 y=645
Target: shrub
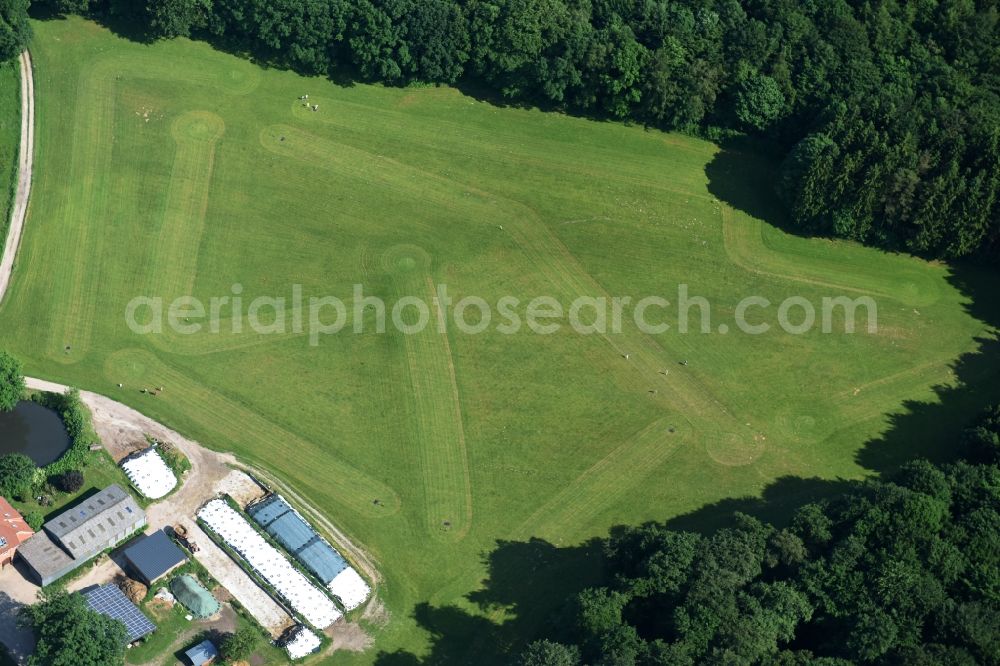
x=34 y=519
x=11 y=379
x=71 y=481
x=17 y=475
x=175 y=460
x=239 y=646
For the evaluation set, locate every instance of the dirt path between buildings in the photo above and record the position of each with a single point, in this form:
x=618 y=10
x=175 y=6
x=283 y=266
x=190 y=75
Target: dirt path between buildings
x=25 y=162
x=123 y=430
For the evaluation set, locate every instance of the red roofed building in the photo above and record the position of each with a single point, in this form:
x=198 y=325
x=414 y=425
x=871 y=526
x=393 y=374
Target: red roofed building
x=13 y=531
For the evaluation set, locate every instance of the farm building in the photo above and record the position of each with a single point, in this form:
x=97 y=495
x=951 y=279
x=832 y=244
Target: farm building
x=154 y=556
x=193 y=596
x=109 y=600
x=202 y=653
x=149 y=474
x=13 y=532
x=78 y=534
x=292 y=531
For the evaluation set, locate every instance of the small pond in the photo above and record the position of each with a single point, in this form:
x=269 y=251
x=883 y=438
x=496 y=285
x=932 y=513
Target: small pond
x=35 y=431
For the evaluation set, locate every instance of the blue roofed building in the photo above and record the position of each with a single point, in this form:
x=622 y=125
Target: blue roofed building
x=202 y=653
x=292 y=531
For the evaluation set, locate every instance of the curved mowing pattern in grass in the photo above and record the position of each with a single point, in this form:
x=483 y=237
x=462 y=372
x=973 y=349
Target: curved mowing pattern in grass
x=231 y=336
x=437 y=408
x=746 y=247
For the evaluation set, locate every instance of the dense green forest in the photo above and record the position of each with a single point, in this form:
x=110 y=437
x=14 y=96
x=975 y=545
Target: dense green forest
x=898 y=571
x=14 y=29
x=887 y=112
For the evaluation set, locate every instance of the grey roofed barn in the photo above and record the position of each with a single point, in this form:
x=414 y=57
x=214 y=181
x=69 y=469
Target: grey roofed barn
x=87 y=527
x=46 y=558
x=154 y=556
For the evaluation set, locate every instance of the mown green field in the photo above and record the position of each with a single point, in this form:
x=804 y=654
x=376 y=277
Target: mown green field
x=173 y=169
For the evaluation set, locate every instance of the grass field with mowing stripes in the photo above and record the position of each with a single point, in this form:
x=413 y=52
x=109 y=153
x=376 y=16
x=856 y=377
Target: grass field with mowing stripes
x=172 y=169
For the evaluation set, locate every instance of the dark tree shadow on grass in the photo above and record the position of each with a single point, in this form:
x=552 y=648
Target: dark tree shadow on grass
x=533 y=581
x=123 y=19
x=742 y=175
x=777 y=503
x=529 y=582
x=925 y=429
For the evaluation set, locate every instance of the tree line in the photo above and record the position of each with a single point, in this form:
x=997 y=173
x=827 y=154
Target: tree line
x=15 y=33
x=898 y=571
x=886 y=111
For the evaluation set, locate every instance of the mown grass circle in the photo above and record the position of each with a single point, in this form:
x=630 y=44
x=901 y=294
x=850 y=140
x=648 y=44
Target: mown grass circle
x=198 y=126
x=406 y=258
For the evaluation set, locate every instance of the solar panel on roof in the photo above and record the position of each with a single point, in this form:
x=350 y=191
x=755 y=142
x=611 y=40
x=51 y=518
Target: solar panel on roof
x=110 y=601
